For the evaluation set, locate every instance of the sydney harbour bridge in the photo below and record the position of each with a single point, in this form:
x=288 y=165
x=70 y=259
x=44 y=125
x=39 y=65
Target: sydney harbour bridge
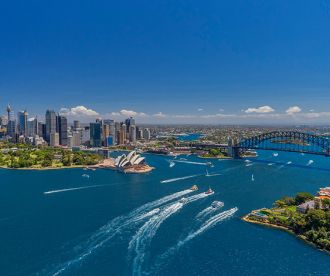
x=290 y=141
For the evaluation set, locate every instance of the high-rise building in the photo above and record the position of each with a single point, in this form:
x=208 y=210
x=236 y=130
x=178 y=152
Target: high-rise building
x=32 y=127
x=96 y=134
x=132 y=134
x=54 y=139
x=122 y=137
x=22 y=118
x=11 y=128
x=146 y=134
x=50 y=124
x=62 y=126
x=129 y=122
x=42 y=130
x=76 y=125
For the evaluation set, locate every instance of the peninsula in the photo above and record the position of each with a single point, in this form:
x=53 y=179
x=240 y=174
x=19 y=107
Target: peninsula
x=304 y=215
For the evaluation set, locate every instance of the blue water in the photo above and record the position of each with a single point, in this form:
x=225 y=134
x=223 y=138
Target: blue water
x=95 y=230
x=189 y=137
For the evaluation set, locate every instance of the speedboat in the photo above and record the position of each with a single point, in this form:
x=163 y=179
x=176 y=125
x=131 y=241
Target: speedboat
x=217 y=204
x=194 y=188
x=172 y=164
x=209 y=192
x=183 y=200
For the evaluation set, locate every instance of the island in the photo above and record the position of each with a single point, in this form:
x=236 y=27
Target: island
x=305 y=215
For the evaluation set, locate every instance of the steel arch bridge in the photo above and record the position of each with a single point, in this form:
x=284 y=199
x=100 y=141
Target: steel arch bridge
x=292 y=141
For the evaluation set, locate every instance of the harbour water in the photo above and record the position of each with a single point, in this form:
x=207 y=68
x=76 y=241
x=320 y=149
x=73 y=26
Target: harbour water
x=58 y=222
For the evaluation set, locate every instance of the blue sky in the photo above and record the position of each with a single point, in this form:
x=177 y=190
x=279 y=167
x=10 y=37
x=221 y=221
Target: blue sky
x=168 y=61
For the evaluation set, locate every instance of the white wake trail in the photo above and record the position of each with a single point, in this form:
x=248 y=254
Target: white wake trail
x=179 y=178
x=73 y=189
x=192 y=162
x=211 y=222
x=209 y=210
x=115 y=226
x=142 y=239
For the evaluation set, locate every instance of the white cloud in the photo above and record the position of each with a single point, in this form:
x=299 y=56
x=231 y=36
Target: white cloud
x=159 y=115
x=293 y=109
x=128 y=113
x=200 y=109
x=79 y=110
x=261 y=109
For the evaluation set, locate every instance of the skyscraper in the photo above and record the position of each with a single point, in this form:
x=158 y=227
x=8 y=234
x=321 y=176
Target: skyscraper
x=132 y=134
x=62 y=125
x=95 y=134
x=32 y=127
x=22 y=118
x=122 y=137
x=50 y=124
x=146 y=134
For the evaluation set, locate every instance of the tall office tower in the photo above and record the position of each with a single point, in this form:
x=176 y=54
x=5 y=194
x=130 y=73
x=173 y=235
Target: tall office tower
x=132 y=134
x=122 y=137
x=32 y=127
x=146 y=134
x=41 y=129
x=96 y=134
x=85 y=135
x=76 y=125
x=105 y=133
x=11 y=128
x=129 y=122
x=112 y=131
x=22 y=117
x=62 y=126
x=50 y=124
x=139 y=134
x=54 y=139
x=76 y=139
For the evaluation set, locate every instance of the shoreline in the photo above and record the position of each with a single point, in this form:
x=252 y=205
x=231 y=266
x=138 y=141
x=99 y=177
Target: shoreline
x=283 y=228
x=44 y=169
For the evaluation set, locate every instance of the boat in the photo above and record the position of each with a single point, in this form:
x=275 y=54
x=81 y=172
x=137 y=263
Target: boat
x=172 y=164
x=183 y=200
x=252 y=177
x=85 y=175
x=209 y=192
x=194 y=188
x=217 y=204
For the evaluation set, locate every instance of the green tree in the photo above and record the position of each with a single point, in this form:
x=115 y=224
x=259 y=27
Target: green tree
x=303 y=197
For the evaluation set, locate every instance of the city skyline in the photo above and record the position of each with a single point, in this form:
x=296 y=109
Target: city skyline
x=236 y=62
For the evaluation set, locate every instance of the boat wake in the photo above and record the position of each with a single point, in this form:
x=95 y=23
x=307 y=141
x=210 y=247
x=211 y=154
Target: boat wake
x=114 y=227
x=310 y=162
x=179 y=178
x=143 y=237
x=74 y=189
x=210 y=210
x=248 y=164
x=191 y=162
x=211 y=222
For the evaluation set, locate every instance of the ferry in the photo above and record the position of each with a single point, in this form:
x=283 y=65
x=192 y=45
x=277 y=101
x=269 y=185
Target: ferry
x=194 y=188
x=209 y=192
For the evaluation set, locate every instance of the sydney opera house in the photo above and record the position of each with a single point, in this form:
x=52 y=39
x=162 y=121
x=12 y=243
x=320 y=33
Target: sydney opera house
x=130 y=160
x=130 y=163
